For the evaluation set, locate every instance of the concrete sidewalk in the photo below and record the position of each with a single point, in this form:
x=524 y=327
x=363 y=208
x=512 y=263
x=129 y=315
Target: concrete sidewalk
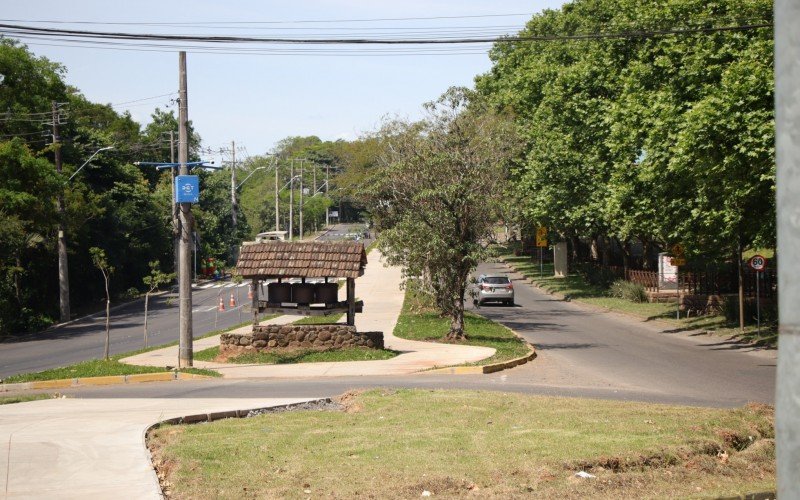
x=383 y=300
x=92 y=448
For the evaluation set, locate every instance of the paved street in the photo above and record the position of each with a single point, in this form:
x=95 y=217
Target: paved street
x=84 y=339
x=582 y=347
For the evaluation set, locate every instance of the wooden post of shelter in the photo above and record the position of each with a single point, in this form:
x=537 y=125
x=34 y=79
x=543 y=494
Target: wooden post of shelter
x=254 y=304
x=351 y=302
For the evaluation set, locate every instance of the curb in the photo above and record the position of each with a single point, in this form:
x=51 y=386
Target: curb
x=107 y=380
x=484 y=369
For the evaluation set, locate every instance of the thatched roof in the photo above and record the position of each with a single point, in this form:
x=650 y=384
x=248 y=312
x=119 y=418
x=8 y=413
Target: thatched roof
x=332 y=259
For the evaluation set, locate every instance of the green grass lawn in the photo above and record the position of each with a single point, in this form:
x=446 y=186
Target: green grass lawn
x=319 y=320
x=397 y=444
x=418 y=321
x=302 y=356
x=576 y=287
x=8 y=400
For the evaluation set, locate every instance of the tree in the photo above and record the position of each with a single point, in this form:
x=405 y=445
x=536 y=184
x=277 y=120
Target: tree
x=100 y=262
x=435 y=194
x=154 y=280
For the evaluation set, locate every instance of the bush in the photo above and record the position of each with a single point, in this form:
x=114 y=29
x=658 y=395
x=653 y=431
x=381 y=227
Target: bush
x=769 y=310
x=596 y=275
x=130 y=293
x=629 y=291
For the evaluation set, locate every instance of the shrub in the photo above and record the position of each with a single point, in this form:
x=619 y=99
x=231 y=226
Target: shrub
x=769 y=310
x=626 y=290
x=596 y=275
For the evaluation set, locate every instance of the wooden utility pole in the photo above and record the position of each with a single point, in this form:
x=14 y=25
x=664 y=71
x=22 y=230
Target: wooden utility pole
x=63 y=264
x=185 y=284
x=787 y=183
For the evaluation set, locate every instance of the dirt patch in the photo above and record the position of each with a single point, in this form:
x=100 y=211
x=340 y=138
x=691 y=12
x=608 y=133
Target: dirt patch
x=349 y=401
x=319 y=405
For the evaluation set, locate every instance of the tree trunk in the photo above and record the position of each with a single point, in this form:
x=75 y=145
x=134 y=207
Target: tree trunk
x=739 y=250
x=456 y=332
x=146 y=301
x=108 y=319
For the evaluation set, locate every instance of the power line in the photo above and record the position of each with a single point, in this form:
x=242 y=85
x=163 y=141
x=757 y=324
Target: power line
x=17 y=30
x=189 y=23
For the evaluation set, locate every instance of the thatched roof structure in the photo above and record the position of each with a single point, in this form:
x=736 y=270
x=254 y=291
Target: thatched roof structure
x=318 y=259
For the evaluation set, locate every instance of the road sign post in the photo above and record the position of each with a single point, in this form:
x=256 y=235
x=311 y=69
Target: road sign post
x=541 y=242
x=758 y=263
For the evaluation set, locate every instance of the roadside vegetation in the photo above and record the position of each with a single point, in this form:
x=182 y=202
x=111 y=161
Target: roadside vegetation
x=420 y=320
x=319 y=320
x=399 y=444
x=24 y=398
x=575 y=287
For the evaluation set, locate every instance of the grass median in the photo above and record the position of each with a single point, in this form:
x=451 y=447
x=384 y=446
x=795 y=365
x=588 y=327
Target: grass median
x=578 y=289
x=419 y=321
x=399 y=444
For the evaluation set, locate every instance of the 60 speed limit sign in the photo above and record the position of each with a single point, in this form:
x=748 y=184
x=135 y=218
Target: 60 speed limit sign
x=758 y=262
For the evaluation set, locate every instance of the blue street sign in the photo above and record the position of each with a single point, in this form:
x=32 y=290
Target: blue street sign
x=187 y=189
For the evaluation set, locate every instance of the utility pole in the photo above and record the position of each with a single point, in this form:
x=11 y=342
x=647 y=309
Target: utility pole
x=314 y=166
x=301 y=200
x=185 y=285
x=787 y=157
x=233 y=185
x=277 y=204
x=234 y=205
x=63 y=264
x=176 y=221
x=291 y=199
x=327 y=209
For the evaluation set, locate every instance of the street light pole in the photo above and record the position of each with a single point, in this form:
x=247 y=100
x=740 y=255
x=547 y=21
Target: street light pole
x=277 y=203
x=291 y=199
x=301 y=200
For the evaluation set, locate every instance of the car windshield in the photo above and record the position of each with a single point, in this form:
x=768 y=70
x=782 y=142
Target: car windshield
x=496 y=280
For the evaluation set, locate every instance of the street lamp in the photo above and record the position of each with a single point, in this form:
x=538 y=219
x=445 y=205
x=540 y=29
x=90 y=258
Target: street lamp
x=88 y=160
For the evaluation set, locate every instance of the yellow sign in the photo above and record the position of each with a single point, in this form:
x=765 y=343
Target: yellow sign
x=677 y=250
x=677 y=261
x=541 y=237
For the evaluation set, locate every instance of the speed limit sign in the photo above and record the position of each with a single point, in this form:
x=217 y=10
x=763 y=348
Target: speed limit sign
x=758 y=262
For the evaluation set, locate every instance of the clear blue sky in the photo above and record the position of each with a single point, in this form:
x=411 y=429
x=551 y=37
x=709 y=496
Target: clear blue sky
x=257 y=100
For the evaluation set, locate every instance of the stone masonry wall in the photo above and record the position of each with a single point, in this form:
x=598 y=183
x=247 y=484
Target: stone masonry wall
x=294 y=337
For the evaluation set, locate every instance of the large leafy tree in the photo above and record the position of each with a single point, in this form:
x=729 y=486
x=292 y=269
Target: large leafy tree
x=664 y=139
x=435 y=194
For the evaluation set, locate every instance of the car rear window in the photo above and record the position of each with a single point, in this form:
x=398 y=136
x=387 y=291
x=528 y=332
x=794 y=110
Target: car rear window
x=496 y=280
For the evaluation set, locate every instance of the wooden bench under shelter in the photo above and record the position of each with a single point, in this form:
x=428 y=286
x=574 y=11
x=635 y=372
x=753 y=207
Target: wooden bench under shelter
x=322 y=262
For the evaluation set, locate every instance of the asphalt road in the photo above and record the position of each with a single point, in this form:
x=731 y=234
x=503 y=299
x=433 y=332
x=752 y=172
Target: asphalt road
x=581 y=353
x=84 y=339
x=581 y=347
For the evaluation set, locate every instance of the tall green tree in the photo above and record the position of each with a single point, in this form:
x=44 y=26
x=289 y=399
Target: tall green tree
x=435 y=195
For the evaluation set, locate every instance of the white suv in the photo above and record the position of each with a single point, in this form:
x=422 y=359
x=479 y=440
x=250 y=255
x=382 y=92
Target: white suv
x=495 y=288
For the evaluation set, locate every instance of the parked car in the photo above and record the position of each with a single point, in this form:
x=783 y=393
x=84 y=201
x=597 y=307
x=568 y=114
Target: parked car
x=495 y=288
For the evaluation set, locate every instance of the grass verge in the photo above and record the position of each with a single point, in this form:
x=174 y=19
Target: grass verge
x=305 y=356
x=318 y=320
x=578 y=289
x=418 y=321
x=8 y=400
x=398 y=444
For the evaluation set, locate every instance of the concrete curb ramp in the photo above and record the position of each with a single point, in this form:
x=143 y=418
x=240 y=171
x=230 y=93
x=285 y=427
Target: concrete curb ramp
x=107 y=380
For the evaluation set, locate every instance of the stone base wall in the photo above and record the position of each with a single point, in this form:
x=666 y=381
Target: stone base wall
x=294 y=337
